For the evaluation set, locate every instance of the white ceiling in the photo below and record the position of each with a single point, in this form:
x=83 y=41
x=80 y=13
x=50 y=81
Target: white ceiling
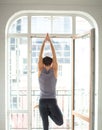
x=54 y=2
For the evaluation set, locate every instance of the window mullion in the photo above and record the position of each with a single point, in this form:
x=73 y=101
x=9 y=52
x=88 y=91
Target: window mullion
x=29 y=76
x=73 y=25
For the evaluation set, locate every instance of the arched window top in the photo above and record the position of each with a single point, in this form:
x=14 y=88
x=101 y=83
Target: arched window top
x=19 y=25
x=50 y=23
x=82 y=25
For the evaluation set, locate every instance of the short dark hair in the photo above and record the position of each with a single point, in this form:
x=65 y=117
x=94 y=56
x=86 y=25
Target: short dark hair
x=47 y=60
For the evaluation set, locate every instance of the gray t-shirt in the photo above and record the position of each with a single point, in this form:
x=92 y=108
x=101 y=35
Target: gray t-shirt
x=47 y=83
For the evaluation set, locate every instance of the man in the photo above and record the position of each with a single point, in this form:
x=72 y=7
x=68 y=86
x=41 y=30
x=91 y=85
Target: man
x=47 y=73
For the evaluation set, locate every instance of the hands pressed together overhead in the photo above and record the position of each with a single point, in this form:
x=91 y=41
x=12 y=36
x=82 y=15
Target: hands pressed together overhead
x=47 y=38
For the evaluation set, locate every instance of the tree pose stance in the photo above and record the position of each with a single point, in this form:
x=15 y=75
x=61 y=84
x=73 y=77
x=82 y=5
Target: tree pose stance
x=47 y=73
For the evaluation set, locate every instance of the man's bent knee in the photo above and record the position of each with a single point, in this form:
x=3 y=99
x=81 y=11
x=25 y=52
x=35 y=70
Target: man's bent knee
x=60 y=122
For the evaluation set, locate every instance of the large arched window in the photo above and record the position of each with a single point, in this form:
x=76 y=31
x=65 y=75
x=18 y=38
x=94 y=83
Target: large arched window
x=25 y=34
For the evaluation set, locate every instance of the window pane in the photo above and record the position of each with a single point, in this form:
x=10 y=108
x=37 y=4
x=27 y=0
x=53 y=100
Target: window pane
x=80 y=124
x=17 y=73
x=82 y=75
x=41 y=24
x=82 y=25
x=18 y=121
x=20 y=25
x=62 y=47
x=62 y=24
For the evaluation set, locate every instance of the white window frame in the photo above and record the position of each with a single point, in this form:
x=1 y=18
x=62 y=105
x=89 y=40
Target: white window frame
x=29 y=36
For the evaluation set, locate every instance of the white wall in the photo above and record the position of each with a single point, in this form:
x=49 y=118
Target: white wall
x=7 y=10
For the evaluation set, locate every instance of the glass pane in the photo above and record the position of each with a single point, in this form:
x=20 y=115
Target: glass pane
x=82 y=75
x=62 y=24
x=63 y=85
x=79 y=124
x=62 y=47
x=36 y=120
x=41 y=24
x=20 y=25
x=18 y=121
x=82 y=25
x=17 y=73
